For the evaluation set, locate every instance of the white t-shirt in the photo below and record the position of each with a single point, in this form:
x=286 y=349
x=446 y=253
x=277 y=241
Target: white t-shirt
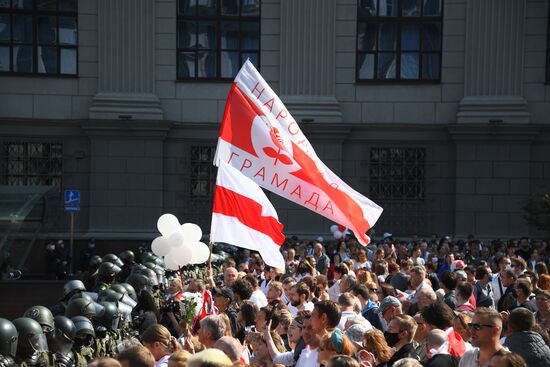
x=259 y=298
x=163 y=362
x=344 y=318
x=308 y=306
x=334 y=291
x=308 y=358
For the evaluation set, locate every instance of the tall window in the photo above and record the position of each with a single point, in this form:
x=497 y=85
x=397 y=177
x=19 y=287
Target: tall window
x=399 y=40
x=214 y=37
x=203 y=177
x=397 y=174
x=32 y=164
x=38 y=37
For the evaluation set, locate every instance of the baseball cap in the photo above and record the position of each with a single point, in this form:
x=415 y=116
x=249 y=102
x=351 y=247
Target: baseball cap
x=389 y=301
x=223 y=292
x=461 y=274
x=355 y=333
x=387 y=234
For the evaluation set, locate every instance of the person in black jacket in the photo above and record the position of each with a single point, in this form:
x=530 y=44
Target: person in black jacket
x=399 y=336
x=437 y=344
x=524 y=341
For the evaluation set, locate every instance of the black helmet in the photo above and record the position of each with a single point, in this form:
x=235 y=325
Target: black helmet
x=113 y=259
x=31 y=337
x=137 y=268
x=111 y=317
x=64 y=334
x=151 y=275
x=109 y=295
x=8 y=338
x=83 y=325
x=95 y=261
x=138 y=281
x=108 y=269
x=147 y=257
x=119 y=288
x=131 y=290
x=127 y=257
x=43 y=316
x=83 y=307
x=72 y=286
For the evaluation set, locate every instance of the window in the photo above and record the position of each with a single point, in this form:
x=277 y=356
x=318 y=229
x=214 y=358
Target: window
x=214 y=37
x=32 y=164
x=397 y=174
x=203 y=177
x=38 y=37
x=399 y=40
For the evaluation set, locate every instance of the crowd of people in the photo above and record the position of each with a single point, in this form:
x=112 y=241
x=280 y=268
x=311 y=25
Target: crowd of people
x=435 y=302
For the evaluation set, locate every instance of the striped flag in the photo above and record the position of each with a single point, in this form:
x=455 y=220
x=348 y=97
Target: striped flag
x=244 y=217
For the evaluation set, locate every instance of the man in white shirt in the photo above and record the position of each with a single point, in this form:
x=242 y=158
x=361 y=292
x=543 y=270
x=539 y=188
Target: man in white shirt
x=308 y=355
x=485 y=327
x=346 y=301
x=496 y=284
x=299 y=299
x=257 y=296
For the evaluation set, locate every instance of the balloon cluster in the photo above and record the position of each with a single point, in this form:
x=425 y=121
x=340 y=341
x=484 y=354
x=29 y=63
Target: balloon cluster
x=180 y=243
x=338 y=231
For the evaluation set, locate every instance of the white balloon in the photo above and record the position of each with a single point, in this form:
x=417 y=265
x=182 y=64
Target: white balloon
x=176 y=239
x=170 y=262
x=168 y=224
x=181 y=255
x=191 y=232
x=338 y=235
x=199 y=253
x=333 y=228
x=160 y=246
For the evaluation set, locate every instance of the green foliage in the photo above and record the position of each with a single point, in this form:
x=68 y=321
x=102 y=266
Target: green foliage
x=537 y=211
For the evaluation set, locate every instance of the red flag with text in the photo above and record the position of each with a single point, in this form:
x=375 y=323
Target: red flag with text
x=259 y=137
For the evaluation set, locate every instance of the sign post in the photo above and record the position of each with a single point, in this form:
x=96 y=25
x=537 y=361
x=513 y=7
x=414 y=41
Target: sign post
x=72 y=205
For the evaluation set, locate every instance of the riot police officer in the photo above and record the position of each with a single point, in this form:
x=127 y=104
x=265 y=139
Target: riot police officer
x=71 y=288
x=84 y=338
x=128 y=258
x=106 y=275
x=8 y=343
x=44 y=317
x=30 y=343
x=62 y=342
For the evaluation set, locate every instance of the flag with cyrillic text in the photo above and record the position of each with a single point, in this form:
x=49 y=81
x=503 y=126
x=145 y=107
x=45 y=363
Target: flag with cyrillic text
x=259 y=137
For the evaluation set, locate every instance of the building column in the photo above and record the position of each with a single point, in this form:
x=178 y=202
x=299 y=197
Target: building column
x=493 y=85
x=126 y=61
x=308 y=60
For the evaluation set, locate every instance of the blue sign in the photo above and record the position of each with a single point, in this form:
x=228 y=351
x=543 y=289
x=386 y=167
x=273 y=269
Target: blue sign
x=72 y=197
x=72 y=200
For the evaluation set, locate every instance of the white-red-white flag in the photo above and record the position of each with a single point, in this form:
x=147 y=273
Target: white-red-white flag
x=244 y=217
x=260 y=138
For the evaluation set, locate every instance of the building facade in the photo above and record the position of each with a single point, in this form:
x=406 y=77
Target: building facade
x=437 y=110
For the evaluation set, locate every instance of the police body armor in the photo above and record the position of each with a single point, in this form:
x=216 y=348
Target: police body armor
x=7 y=361
x=65 y=360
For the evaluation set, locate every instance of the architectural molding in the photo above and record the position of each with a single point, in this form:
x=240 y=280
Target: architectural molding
x=308 y=59
x=494 y=132
x=126 y=61
x=494 y=65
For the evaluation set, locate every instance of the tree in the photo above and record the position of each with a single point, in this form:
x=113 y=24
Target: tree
x=537 y=211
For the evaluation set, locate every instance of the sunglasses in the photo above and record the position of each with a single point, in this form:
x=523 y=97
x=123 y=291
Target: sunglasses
x=478 y=327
